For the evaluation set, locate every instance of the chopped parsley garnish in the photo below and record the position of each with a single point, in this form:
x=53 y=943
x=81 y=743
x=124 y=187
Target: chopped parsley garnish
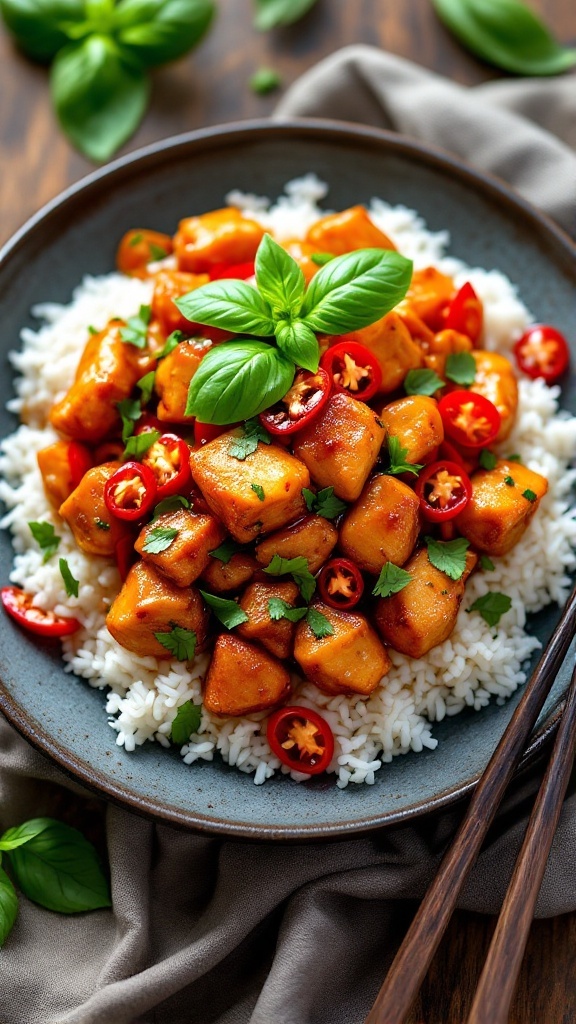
x=258 y=491
x=461 y=368
x=226 y=550
x=92 y=330
x=188 y=718
x=448 y=556
x=486 y=563
x=180 y=642
x=319 y=624
x=101 y=525
x=138 y=444
x=159 y=539
x=157 y=252
x=324 y=503
x=228 y=612
x=514 y=457
x=172 y=504
x=70 y=583
x=322 y=258
x=279 y=609
x=135 y=240
x=172 y=342
x=529 y=495
x=487 y=459
x=509 y=480
x=46 y=539
x=241 y=447
x=130 y=410
x=492 y=607
x=136 y=330
x=146 y=385
x=392 y=580
x=298 y=569
x=398 y=462
x=422 y=382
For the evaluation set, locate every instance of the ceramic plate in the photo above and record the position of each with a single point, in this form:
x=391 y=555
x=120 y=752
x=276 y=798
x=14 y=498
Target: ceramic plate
x=77 y=234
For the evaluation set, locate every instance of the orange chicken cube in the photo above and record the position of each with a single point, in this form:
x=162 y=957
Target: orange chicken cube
x=221 y=236
x=339 y=233
x=429 y=293
x=498 y=513
x=382 y=526
x=495 y=380
x=276 y=635
x=188 y=554
x=417 y=424
x=243 y=678
x=54 y=463
x=173 y=378
x=351 y=660
x=390 y=342
x=219 y=577
x=170 y=285
x=138 y=248
x=95 y=531
x=312 y=538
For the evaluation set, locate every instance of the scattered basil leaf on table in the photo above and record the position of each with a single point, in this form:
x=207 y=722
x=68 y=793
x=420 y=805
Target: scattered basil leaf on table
x=324 y=503
x=422 y=382
x=274 y=13
x=229 y=613
x=265 y=80
x=71 y=584
x=42 y=27
x=158 y=31
x=188 y=718
x=448 y=556
x=16 y=836
x=252 y=432
x=392 y=580
x=461 y=368
x=492 y=607
x=226 y=550
x=238 y=380
x=8 y=906
x=159 y=539
x=506 y=33
x=46 y=538
x=180 y=642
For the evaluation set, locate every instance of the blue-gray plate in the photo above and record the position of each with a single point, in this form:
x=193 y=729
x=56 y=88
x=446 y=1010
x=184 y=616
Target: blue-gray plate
x=76 y=234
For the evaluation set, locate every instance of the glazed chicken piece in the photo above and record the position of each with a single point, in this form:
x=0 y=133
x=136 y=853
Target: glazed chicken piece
x=226 y=484
x=301 y=252
x=219 y=237
x=221 y=577
x=56 y=469
x=390 y=341
x=495 y=380
x=107 y=373
x=170 y=285
x=140 y=247
x=382 y=526
x=417 y=424
x=339 y=233
x=243 y=678
x=173 y=378
x=313 y=538
x=443 y=344
x=419 y=332
x=189 y=552
x=351 y=660
x=503 y=502
x=276 y=635
x=429 y=294
x=149 y=603
x=95 y=531
x=341 y=446
x=424 y=613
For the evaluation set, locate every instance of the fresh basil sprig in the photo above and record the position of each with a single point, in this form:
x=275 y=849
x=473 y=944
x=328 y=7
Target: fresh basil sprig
x=273 y=13
x=506 y=33
x=102 y=50
x=241 y=378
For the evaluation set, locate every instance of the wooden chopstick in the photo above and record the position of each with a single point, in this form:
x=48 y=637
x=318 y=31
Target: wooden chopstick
x=429 y=924
x=498 y=979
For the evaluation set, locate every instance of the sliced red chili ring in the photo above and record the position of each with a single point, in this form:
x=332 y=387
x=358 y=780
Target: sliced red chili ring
x=469 y=419
x=301 y=739
x=206 y=432
x=465 y=313
x=353 y=369
x=130 y=493
x=300 y=405
x=240 y=271
x=542 y=352
x=444 y=490
x=19 y=606
x=169 y=460
x=79 y=460
x=340 y=583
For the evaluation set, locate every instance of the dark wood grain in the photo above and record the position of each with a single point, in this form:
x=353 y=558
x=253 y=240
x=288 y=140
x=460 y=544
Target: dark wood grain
x=211 y=86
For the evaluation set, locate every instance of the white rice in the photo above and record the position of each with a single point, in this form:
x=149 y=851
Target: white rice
x=475 y=665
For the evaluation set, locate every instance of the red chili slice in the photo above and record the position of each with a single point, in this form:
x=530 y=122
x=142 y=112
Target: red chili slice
x=444 y=490
x=130 y=493
x=469 y=419
x=169 y=460
x=19 y=606
x=340 y=583
x=240 y=271
x=465 y=313
x=206 y=432
x=79 y=460
x=301 y=739
x=353 y=369
x=148 y=422
x=542 y=352
x=300 y=405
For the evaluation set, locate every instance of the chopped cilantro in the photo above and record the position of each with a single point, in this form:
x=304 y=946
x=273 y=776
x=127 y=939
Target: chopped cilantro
x=180 y=642
x=70 y=583
x=486 y=563
x=487 y=459
x=157 y=252
x=509 y=480
x=258 y=491
x=136 y=330
x=138 y=444
x=279 y=609
x=529 y=495
x=172 y=504
x=322 y=258
x=422 y=382
x=449 y=556
x=297 y=568
x=188 y=718
x=172 y=342
x=228 y=612
x=159 y=539
x=492 y=607
x=46 y=539
x=392 y=580
x=92 y=330
x=101 y=525
x=461 y=368
x=514 y=457
x=319 y=624
x=226 y=550
x=397 y=459
x=136 y=239
x=241 y=447
x=146 y=385
x=324 y=503
x=130 y=410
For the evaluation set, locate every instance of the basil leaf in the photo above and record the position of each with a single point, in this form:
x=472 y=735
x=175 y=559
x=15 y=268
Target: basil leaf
x=157 y=31
x=492 y=606
x=280 y=609
x=392 y=580
x=461 y=368
x=188 y=718
x=99 y=93
x=319 y=624
x=180 y=642
x=355 y=290
x=40 y=27
x=506 y=33
x=279 y=278
x=227 y=549
x=448 y=556
x=237 y=380
x=298 y=342
x=46 y=538
x=8 y=906
x=422 y=382
x=486 y=563
x=265 y=80
x=59 y=869
x=159 y=539
x=231 y=305
x=322 y=258
x=271 y=13
x=228 y=612
x=172 y=342
x=18 y=835
x=71 y=584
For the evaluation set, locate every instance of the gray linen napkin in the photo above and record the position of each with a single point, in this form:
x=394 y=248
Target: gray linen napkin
x=215 y=932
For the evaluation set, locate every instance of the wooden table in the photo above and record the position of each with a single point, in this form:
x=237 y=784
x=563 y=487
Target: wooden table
x=210 y=87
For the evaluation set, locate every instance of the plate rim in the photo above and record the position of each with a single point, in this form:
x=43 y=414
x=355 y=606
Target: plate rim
x=314 y=129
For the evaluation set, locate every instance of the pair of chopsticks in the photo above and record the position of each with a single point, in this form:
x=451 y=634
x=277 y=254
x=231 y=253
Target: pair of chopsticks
x=498 y=979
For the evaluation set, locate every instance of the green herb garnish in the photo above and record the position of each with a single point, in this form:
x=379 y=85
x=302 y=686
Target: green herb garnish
x=279 y=609
x=487 y=459
x=397 y=455
x=298 y=569
x=159 y=539
x=319 y=624
x=265 y=80
x=46 y=539
x=157 y=252
x=146 y=385
x=180 y=642
x=226 y=550
x=172 y=504
x=392 y=580
x=322 y=258
x=172 y=342
x=509 y=481
x=461 y=368
x=228 y=612
x=101 y=525
x=422 y=382
x=70 y=583
x=529 y=495
x=492 y=607
x=486 y=563
x=136 y=330
x=138 y=444
x=188 y=718
x=258 y=491
x=324 y=503
x=241 y=447
x=449 y=556
x=130 y=410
